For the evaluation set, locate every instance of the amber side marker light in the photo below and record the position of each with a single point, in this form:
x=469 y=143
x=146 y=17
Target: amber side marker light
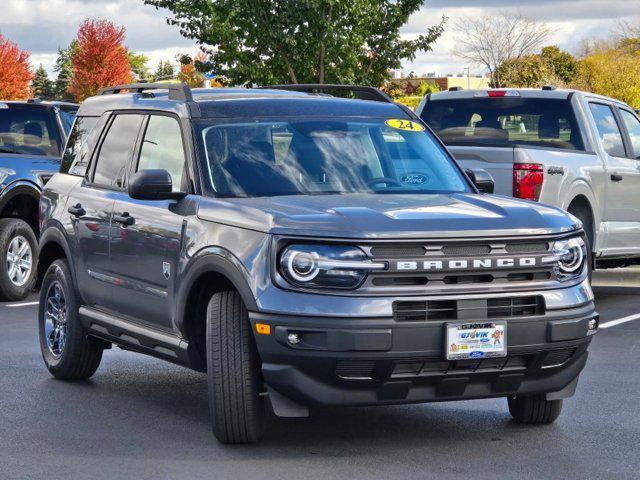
x=263 y=329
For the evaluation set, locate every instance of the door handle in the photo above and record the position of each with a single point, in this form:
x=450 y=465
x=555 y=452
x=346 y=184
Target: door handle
x=616 y=177
x=76 y=210
x=125 y=219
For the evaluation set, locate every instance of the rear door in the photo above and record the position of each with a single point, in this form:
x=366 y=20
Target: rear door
x=91 y=203
x=145 y=252
x=622 y=180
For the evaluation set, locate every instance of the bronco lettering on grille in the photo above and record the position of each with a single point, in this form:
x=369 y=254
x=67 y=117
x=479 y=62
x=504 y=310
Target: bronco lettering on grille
x=467 y=264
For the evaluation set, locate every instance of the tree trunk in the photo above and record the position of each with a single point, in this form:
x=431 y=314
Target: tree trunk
x=292 y=74
x=323 y=46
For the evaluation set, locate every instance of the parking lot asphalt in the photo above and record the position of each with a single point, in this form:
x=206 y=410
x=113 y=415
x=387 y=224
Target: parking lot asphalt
x=142 y=418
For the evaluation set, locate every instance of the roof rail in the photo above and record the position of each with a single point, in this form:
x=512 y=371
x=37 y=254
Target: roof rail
x=34 y=100
x=177 y=91
x=548 y=87
x=360 y=92
x=455 y=89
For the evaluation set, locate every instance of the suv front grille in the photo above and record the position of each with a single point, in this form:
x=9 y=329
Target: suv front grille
x=432 y=310
x=415 y=268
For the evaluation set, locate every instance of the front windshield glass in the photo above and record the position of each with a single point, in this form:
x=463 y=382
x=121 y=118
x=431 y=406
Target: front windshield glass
x=317 y=156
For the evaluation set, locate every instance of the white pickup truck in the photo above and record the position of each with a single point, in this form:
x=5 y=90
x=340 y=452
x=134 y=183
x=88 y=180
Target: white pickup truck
x=571 y=149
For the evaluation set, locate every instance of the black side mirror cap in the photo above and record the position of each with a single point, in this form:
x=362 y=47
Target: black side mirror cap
x=153 y=185
x=481 y=179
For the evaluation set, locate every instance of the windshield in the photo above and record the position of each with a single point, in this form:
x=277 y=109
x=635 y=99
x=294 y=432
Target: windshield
x=313 y=157
x=27 y=131
x=504 y=122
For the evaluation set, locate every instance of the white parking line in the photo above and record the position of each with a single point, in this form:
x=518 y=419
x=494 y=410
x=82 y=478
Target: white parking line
x=24 y=304
x=619 y=321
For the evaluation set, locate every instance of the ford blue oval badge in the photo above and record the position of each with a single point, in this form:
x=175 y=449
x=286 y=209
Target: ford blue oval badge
x=476 y=354
x=414 y=179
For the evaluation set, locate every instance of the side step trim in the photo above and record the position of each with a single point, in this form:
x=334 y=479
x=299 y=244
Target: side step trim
x=135 y=337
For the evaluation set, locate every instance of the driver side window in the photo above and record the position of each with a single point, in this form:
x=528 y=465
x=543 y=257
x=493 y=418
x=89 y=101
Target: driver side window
x=162 y=149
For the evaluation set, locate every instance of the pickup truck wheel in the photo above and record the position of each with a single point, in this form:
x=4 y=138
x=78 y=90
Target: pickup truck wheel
x=233 y=371
x=67 y=351
x=535 y=409
x=18 y=253
x=584 y=215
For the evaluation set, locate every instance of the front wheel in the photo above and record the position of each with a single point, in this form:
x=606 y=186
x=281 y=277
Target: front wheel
x=66 y=350
x=18 y=253
x=233 y=371
x=535 y=409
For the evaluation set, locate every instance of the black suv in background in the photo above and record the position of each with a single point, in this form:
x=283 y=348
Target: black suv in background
x=32 y=136
x=308 y=249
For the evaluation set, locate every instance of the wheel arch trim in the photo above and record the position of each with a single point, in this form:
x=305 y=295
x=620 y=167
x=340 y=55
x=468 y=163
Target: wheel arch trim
x=215 y=260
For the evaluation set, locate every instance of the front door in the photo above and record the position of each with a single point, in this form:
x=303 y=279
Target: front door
x=622 y=177
x=146 y=236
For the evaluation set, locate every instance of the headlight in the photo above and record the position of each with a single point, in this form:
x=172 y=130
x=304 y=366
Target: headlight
x=326 y=266
x=5 y=173
x=569 y=256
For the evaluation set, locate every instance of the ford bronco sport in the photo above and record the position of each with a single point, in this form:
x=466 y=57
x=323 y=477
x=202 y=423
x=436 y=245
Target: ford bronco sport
x=32 y=135
x=306 y=249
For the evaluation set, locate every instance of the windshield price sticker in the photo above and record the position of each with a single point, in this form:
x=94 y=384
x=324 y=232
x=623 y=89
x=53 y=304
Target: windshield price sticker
x=405 y=125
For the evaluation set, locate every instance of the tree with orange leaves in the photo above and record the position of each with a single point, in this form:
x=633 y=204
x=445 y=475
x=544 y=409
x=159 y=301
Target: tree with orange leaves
x=15 y=71
x=100 y=59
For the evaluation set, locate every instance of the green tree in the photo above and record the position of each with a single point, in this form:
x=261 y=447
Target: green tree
x=41 y=85
x=527 y=71
x=64 y=69
x=164 y=71
x=138 y=62
x=315 y=41
x=426 y=87
x=562 y=64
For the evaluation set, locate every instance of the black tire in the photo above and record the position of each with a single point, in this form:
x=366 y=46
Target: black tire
x=10 y=229
x=80 y=357
x=233 y=371
x=535 y=409
x=584 y=215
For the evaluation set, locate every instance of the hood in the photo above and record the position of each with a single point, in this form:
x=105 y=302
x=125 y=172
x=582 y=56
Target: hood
x=379 y=216
x=29 y=167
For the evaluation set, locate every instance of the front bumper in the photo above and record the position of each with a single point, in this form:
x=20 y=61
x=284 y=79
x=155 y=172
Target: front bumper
x=373 y=360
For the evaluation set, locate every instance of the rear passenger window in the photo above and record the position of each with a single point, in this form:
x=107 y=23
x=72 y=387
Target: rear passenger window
x=608 y=129
x=75 y=157
x=633 y=127
x=162 y=149
x=117 y=150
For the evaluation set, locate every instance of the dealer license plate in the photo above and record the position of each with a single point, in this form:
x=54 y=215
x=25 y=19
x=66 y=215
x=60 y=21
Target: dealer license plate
x=476 y=340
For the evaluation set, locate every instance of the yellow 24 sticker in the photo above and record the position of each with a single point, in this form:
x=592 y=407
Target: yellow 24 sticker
x=406 y=125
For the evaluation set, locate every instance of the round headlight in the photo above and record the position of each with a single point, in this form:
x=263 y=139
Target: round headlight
x=570 y=255
x=302 y=266
x=325 y=266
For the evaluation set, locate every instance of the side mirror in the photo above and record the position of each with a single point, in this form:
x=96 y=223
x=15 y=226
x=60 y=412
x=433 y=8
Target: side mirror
x=481 y=179
x=153 y=185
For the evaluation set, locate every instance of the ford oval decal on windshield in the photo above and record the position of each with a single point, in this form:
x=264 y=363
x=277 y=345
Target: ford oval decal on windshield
x=414 y=179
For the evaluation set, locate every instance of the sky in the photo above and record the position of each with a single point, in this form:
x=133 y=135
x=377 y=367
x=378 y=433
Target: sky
x=41 y=26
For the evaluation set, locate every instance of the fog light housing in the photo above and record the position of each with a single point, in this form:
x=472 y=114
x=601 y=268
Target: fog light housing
x=293 y=339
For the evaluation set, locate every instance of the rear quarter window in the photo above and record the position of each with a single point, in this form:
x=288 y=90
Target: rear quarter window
x=504 y=122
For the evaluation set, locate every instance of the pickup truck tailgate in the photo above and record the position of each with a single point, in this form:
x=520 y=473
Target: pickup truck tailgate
x=498 y=161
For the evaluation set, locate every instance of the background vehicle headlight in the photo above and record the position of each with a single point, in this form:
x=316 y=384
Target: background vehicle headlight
x=570 y=256
x=326 y=266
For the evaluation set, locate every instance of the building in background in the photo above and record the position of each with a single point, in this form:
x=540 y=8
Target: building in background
x=468 y=82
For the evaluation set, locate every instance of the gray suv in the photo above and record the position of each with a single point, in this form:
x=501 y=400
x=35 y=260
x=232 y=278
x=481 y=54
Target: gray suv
x=304 y=249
